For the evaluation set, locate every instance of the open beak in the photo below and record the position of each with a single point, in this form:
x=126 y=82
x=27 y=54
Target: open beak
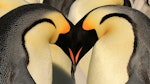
x=74 y=59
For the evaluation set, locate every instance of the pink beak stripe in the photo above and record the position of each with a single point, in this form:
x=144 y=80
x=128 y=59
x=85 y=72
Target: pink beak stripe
x=74 y=58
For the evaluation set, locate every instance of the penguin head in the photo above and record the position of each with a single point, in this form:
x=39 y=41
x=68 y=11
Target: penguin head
x=77 y=42
x=61 y=24
x=55 y=26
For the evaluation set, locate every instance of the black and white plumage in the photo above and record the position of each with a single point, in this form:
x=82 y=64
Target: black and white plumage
x=75 y=41
x=139 y=45
x=25 y=34
x=125 y=38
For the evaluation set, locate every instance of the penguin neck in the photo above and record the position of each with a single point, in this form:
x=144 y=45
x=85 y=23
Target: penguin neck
x=37 y=45
x=112 y=52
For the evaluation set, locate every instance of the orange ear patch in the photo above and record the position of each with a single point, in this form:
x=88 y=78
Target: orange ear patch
x=88 y=25
x=65 y=28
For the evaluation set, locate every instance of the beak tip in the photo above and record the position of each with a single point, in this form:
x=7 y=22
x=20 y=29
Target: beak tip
x=73 y=71
x=72 y=75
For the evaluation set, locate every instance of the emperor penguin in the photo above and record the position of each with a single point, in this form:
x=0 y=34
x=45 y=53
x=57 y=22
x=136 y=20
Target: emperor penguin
x=61 y=5
x=81 y=7
x=7 y=5
x=122 y=47
x=120 y=36
x=25 y=53
x=77 y=11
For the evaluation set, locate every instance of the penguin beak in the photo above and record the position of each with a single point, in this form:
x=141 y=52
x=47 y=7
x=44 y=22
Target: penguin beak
x=74 y=58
